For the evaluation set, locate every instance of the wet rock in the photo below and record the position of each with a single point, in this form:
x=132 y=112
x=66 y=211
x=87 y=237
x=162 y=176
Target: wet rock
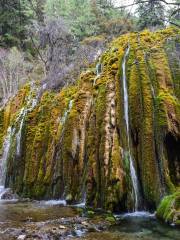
x=21 y=237
x=69 y=199
x=91 y=228
x=85 y=223
x=34 y=237
x=9 y=195
x=62 y=227
x=28 y=219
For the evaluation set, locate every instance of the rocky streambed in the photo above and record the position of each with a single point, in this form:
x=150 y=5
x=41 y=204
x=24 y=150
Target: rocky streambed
x=51 y=220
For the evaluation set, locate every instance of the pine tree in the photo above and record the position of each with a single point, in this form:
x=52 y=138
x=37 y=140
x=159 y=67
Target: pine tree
x=174 y=14
x=151 y=14
x=13 y=22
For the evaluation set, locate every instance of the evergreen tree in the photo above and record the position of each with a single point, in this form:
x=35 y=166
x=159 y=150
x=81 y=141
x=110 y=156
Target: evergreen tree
x=151 y=13
x=174 y=14
x=36 y=8
x=86 y=17
x=13 y=22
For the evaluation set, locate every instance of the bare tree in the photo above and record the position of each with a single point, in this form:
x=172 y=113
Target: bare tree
x=66 y=57
x=13 y=72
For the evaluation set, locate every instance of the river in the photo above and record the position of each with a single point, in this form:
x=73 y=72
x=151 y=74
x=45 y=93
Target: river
x=46 y=220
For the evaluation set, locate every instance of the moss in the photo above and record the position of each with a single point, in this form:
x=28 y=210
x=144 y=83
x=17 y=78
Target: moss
x=1 y=128
x=90 y=213
x=72 y=150
x=110 y=219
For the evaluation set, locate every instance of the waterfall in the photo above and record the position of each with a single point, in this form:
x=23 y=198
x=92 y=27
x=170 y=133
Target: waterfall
x=98 y=68
x=98 y=71
x=126 y=116
x=67 y=111
x=30 y=105
x=18 y=135
x=31 y=102
x=4 y=157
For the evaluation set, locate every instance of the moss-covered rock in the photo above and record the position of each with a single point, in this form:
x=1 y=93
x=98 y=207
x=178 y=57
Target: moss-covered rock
x=74 y=142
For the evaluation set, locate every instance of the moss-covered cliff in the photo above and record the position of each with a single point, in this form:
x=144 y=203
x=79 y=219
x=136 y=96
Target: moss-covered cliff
x=73 y=143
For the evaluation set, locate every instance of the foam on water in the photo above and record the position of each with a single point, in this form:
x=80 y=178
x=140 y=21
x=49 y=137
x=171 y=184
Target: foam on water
x=82 y=204
x=55 y=202
x=2 y=191
x=143 y=214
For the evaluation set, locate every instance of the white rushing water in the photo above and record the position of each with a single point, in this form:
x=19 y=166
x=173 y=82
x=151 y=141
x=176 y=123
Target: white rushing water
x=55 y=202
x=4 y=157
x=2 y=191
x=98 y=70
x=82 y=204
x=30 y=105
x=126 y=116
x=137 y=214
x=67 y=111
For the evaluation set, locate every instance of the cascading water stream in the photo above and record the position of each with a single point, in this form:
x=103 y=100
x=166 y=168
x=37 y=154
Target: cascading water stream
x=98 y=71
x=126 y=116
x=65 y=115
x=3 y=159
x=30 y=105
x=98 y=68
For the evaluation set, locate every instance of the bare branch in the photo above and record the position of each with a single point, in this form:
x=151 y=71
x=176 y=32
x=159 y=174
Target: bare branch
x=39 y=53
x=146 y=1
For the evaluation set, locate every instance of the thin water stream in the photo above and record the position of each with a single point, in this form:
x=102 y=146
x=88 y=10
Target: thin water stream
x=126 y=117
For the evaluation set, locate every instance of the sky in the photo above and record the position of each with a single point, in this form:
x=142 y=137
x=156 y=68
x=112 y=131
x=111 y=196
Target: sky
x=126 y=2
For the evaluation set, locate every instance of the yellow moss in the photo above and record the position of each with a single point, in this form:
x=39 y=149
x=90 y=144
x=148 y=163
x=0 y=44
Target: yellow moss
x=58 y=158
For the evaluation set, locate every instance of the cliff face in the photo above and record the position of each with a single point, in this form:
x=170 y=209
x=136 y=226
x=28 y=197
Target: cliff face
x=74 y=144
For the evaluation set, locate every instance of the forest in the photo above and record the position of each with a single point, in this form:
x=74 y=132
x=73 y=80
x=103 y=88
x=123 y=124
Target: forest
x=89 y=119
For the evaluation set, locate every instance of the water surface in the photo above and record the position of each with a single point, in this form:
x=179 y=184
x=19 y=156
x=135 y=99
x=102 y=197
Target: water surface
x=51 y=220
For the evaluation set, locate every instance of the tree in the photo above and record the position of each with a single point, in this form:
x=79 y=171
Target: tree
x=174 y=14
x=13 y=72
x=37 y=8
x=167 y=3
x=13 y=22
x=151 y=13
x=85 y=17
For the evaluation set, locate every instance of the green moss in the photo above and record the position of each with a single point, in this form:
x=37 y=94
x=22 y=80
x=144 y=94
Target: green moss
x=68 y=155
x=1 y=128
x=110 y=219
x=90 y=213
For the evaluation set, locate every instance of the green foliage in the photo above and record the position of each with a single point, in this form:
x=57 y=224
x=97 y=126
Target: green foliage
x=85 y=18
x=174 y=14
x=151 y=14
x=13 y=22
x=110 y=219
x=169 y=208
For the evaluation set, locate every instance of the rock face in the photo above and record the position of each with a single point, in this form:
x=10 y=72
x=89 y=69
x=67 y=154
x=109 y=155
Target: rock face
x=74 y=143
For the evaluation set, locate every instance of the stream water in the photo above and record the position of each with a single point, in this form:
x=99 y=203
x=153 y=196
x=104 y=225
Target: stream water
x=48 y=220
